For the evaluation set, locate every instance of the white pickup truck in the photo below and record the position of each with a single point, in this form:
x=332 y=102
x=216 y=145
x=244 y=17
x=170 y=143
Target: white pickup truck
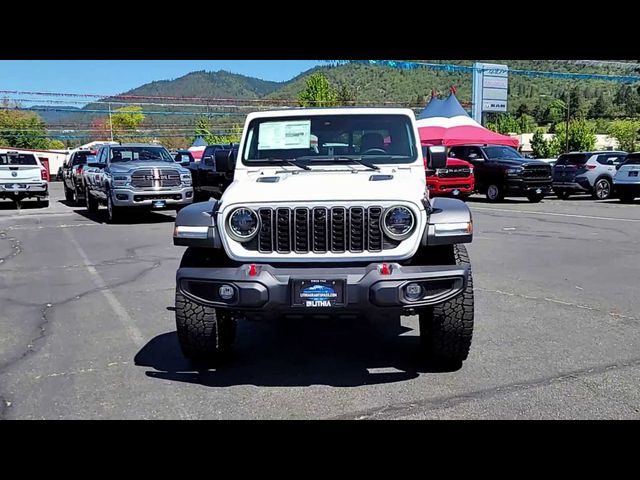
x=23 y=176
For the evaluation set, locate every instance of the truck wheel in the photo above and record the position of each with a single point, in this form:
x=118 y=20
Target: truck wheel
x=205 y=334
x=602 y=189
x=495 y=193
x=43 y=203
x=446 y=329
x=91 y=203
x=114 y=214
x=535 y=197
x=68 y=194
x=563 y=194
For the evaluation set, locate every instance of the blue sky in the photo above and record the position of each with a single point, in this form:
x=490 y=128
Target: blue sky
x=116 y=76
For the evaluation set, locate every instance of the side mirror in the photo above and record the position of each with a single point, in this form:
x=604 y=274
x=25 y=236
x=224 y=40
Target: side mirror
x=208 y=160
x=225 y=161
x=436 y=157
x=95 y=164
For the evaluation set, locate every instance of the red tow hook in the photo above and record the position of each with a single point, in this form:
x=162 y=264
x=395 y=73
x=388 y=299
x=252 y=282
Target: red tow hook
x=253 y=271
x=385 y=269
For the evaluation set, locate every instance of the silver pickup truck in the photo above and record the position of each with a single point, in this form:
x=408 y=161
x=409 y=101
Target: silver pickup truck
x=135 y=176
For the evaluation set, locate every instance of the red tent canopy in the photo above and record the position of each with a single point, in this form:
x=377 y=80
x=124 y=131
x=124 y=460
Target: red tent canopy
x=463 y=135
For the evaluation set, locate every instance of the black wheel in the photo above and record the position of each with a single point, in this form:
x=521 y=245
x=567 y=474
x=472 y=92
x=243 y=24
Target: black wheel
x=563 y=194
x=535 y=197
x=205 y=334
x=114 y=214
x=68 y=194
x=43 y=203
x=91 y=203
x=446 y=330
x=602 y=189
x=626 y=198
x=495 y=193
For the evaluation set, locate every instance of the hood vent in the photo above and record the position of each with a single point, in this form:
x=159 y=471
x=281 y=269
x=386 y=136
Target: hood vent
x=379 y=178
x=268 y=179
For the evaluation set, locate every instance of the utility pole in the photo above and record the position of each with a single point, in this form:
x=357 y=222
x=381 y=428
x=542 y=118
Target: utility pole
x=110 y=123
x=567 y=125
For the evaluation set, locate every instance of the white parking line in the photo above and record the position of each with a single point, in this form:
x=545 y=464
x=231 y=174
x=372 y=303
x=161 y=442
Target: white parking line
x=632 y=220
x=126 y=320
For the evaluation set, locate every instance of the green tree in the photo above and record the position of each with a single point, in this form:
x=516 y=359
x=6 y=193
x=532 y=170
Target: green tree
x=541 y=148
x=626 y=133
x=21 y=129
x=345 y=96
x=55 y=145
x=126 y=121
x=581 y=135
x=203 y=130
x=600 y=108
x=318 y=92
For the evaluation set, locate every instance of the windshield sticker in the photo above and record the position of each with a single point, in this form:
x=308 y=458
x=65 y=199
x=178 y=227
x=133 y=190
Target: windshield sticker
x=284 y=135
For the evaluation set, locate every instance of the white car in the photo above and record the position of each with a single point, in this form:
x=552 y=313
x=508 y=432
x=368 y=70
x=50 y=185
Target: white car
x=627 y=179
x=22 y=175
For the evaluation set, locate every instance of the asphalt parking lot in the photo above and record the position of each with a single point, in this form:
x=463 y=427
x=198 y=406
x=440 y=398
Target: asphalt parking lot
x=87 y=331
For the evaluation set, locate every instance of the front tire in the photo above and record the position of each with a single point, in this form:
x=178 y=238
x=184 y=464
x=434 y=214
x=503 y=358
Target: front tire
x=535 y=197
x=563 y=194
x=446 y=330
x=602 y=189
x=205 y=334
x=68 y=194
x=495 y=193
x=114 y=214
x=90 y=202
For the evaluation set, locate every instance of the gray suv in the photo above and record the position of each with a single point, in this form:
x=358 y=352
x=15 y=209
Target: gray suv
x=586 y=172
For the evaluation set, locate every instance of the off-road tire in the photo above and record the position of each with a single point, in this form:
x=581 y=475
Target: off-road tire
x=205 y=334
x=446 y=330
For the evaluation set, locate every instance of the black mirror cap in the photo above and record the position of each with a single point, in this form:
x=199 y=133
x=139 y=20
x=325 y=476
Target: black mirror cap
x=225 y=161
x=436 y=157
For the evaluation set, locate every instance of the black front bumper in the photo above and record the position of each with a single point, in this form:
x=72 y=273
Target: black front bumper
x=366 y=288
x=517 y=186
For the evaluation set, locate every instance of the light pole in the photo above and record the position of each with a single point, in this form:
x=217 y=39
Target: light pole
x=566 y=133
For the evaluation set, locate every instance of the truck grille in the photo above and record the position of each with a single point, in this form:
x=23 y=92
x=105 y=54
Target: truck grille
x=320 y=230
x=456 y=172
x=156 y=177
x=534 y=172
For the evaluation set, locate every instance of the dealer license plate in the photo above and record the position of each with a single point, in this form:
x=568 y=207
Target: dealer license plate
x=318 y=293
x=158 y=203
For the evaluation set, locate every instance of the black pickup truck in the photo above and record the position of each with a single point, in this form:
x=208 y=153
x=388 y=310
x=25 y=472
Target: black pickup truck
x=207 y=180
x=72 y=175
x=501 y=171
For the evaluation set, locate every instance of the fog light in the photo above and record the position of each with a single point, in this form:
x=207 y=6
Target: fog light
x=413 y=291
x=226 y=292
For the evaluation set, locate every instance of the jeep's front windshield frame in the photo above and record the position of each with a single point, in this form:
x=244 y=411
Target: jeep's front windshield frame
x=331 y=139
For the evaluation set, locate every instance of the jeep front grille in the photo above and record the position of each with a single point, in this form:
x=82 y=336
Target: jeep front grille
x=320 y=230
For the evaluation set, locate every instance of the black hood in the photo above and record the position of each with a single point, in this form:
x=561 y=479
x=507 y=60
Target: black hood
x=518 y=162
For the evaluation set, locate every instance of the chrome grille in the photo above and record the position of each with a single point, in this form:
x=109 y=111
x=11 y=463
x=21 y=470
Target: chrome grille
x=320 y=230
x=157 y=177
x=142 y=178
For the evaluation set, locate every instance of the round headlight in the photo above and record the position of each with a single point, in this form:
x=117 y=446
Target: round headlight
x=398 y=222
x=243 y=224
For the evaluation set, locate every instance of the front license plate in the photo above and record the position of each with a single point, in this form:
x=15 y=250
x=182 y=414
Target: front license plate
x=456 y=192
x=633 y=173
x=318 y=293
x=159 y=204
x=539 y=190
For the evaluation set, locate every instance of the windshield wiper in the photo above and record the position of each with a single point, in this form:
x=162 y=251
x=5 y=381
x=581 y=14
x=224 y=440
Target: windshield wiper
x=356 y=160
x=293 y=163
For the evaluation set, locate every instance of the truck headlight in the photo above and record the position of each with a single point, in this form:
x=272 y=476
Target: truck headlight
x=121 y=180
x=514 y=171
x=243 y=224
x=398 y=222
x=186 y=178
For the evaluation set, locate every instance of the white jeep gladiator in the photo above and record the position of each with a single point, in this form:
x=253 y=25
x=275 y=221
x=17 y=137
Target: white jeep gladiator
x=310 y=229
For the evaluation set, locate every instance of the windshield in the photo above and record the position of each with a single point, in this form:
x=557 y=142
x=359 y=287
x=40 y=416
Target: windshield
x=633 y=159
x=502 y=152
x=18 y=159
x=329 y=139
x=140 y=154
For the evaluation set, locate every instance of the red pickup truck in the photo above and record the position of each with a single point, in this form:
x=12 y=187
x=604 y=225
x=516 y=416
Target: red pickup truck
x=455 y=180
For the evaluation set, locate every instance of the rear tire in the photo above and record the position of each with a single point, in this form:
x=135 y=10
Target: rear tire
x=205 y=334
x=446 y=330
x=91 y=203
x=495 y=193
x=602 y=189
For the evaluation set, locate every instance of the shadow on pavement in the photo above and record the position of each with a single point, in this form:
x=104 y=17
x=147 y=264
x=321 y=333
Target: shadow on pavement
x=298 y=353
x=129 y=218
x=26 y=204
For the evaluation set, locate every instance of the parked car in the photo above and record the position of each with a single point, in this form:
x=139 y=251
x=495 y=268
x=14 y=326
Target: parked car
x=586 y=172
x=131 y=176
x=549 y=161
x=500 y=171
x=626 y=181
x=22 y=175
x=301 y=232
x=455 y=180
x=207 y=180
x=72 y=175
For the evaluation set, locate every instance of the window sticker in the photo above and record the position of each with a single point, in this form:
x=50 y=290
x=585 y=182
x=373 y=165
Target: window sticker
x=284 y=135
